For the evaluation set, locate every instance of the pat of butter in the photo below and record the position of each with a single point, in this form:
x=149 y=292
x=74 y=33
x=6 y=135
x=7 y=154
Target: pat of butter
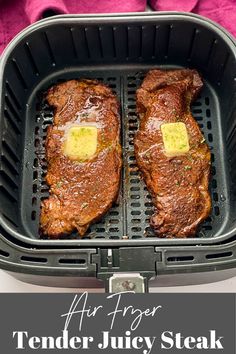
x=175 y=138
x=81 y=142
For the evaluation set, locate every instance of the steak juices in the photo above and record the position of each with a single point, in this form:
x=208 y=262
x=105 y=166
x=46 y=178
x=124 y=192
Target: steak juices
x=84 y=154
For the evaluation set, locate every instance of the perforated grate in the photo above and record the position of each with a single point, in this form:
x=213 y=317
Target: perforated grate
x=139 y=201
x=129 y=217
x=110 y=226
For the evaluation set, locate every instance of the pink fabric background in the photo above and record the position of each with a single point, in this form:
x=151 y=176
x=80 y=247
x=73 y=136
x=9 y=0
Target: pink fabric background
x=17 y=14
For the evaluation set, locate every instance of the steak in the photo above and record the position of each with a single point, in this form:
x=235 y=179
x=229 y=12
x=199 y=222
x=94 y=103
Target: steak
x=178 y=184
x=81 y=192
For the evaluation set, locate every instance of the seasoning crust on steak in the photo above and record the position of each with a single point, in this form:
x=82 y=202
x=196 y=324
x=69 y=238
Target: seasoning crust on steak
x=81 y=192
x=178 y=184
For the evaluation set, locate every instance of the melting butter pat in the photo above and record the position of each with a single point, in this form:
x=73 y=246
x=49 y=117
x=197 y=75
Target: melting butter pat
x=81 y=142
x=175 y=138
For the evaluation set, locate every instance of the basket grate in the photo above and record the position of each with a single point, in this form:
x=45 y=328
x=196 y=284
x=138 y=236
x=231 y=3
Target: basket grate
x=129 y=217
x=139 y=203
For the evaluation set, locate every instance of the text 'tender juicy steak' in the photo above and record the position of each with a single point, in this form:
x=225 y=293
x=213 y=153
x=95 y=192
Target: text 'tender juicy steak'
x=82 y=188
x=178 y=184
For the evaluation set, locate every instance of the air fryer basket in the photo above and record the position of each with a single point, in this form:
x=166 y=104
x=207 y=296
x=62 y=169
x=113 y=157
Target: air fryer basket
x=117 y=50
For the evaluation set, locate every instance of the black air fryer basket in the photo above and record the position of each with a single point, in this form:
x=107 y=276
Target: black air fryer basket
x=117 y=50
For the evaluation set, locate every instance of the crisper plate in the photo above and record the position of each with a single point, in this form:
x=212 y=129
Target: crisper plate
x=129 y=217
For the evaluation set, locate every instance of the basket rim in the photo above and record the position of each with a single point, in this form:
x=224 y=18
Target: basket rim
x=135 y=16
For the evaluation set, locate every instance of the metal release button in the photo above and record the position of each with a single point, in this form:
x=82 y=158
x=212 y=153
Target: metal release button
x=126 y=282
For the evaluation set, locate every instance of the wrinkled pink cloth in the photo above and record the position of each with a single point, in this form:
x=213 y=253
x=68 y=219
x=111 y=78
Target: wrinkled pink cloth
x=221 y=11
x=17 y=14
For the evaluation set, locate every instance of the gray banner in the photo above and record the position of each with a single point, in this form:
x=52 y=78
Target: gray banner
x=123 y=323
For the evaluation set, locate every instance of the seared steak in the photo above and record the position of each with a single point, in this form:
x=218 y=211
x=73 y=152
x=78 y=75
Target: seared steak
x=178 y=184
x=80 y=191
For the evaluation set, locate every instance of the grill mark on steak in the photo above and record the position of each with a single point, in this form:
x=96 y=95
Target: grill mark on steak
x=178 y=185
x=81 y=192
